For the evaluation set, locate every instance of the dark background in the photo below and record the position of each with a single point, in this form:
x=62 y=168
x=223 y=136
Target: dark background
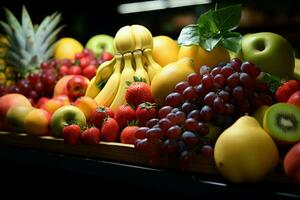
x=83 y=19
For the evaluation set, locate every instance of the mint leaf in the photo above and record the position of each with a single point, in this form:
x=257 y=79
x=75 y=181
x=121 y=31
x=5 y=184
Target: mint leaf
x=232 y=41
x=189 y=35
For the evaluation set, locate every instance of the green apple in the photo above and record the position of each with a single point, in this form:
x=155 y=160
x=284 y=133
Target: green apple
x=15 y=118
x=270 y=52
x=101 y=43
x=64 y=116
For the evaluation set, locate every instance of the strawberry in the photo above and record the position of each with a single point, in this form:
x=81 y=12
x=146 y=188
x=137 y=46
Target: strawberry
x=128 y=135
x=71 y=134
x=99 y=114
x=91 y=136
x=284 y=91
x=110 y=130
x=138 y=92
x=145 y=112
x=124 y=115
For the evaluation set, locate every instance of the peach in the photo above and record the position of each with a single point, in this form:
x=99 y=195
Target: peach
x=41 y=102
x=6 y=102
x=52 y=105
x=37 y=122
x=86 y=105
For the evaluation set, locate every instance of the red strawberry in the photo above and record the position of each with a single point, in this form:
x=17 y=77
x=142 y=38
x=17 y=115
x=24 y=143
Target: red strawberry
x=124 y=115
x=110 y=130
x=284 y=91
x=91 y=136
x=99 y=114
x=145 y=112
x=137 y=93
x=128 y=135
x=71 y=134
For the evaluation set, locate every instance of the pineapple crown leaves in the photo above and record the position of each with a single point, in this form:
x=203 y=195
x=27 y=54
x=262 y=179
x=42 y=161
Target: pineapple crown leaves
x=29 y=44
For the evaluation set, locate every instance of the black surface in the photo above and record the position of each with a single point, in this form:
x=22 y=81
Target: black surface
x=40 y=170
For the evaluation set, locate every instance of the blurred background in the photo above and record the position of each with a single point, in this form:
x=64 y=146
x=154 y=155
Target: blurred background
x=83 y=19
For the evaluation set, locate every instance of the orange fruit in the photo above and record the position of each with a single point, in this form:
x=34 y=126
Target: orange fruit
x=202 y=57
x=66 y=48
x=165 y=50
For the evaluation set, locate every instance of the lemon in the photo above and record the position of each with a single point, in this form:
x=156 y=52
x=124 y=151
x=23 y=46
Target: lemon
x=66 y=48
x=165 y=50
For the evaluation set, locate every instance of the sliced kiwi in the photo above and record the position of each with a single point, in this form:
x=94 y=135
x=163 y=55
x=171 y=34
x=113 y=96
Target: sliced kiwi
x=282 y=122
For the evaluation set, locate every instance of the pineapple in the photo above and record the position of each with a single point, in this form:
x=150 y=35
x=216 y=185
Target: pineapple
x=29 y=45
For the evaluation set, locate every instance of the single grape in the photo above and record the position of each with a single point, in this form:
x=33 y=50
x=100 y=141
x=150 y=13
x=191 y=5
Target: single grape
x=194 y=79
x=246 y=80
x=174 y=99
x=174 y=110
x=238 y=92
x=191 y=125
x=154 y=133
x=186 y=107
x=164 y=124
x=236 y=64
x=225 y=95
x=219 y=105
x=200 y=90
x=185 y=159
x=209 y=98
x=33 y=78
x=191 y=139
x=174 y=132
x=203 y=128
x=207 y=150
x=206 y=113
x=248 y=68
x=219 y=80
x=227 y=70
x=207 y=81
x=229 y=109
x=152 y=122
x=169 y=147
x=194 y=114
x=163 y=111
x=233 y=80
x=189 y=93
x=141 y=132
x=181 y=117
x=172 y=117
x=215 y=71
x=180 y=87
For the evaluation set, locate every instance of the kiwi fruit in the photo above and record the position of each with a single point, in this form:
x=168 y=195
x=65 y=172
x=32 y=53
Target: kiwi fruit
x=282 y=122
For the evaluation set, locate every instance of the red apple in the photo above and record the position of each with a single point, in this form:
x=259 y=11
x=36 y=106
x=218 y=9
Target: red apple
x=291 y=164
x=89 y=71
x=295 y=99
x=74 y=70
x=77 y=86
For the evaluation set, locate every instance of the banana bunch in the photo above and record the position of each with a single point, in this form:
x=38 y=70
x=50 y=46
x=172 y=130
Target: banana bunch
x=133 y=45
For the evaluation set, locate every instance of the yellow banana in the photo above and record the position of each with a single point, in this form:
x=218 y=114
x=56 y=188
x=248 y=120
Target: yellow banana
x=104 y=71
x=152 y=67
x=108 y=93
x=140 y=71
x=143 y=37
x=126 y=75
x=124 y=40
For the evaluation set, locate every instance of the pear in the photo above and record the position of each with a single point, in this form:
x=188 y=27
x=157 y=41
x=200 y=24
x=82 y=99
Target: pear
x=245 y=152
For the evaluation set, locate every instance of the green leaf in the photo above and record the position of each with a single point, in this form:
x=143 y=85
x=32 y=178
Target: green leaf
x=210 y=43
x=213 y=29
x=189 y=35
x=232 y=41
x=228 y=18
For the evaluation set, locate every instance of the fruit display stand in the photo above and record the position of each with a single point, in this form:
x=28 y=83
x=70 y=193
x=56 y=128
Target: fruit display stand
x=108 y=160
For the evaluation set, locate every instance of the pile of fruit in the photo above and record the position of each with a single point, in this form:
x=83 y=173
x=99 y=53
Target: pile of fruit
x=218 y=94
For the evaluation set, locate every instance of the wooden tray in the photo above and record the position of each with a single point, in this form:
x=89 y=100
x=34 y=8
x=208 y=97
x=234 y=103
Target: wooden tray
x=116 y=152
